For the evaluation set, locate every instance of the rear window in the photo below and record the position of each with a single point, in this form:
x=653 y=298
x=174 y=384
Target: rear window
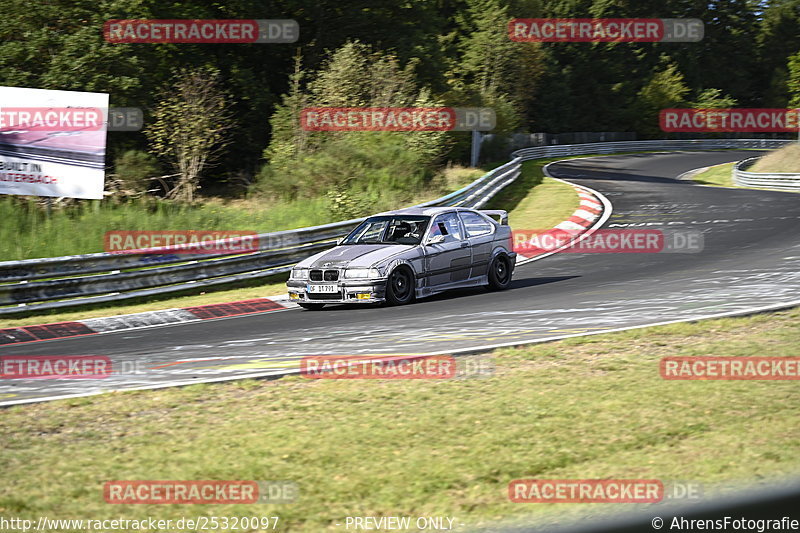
x=475 y=224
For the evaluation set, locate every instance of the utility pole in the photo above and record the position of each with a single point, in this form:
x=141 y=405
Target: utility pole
x=477 y=138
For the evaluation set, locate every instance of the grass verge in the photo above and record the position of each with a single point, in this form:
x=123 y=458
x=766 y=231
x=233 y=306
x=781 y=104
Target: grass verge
x=717 y=176
x=721 y=176
x=588 y=407
x=29 y=231
x=535 y=201
x=786 y=159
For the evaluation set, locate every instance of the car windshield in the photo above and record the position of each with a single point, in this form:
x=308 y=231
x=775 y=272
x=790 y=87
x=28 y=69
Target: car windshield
x=389 y=229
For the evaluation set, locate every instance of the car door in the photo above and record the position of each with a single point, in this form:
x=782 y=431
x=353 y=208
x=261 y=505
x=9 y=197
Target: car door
x=480 y=235
x=447 y=262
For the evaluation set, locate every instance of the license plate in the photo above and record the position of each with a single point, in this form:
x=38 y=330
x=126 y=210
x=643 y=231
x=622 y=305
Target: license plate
x=323 y=288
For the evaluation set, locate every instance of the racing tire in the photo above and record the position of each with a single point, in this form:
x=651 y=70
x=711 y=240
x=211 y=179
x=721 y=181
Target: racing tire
x=400 y=286
x=499 y=273
x=311 y=307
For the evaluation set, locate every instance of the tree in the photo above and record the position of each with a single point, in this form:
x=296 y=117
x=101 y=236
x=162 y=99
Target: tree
x=713 y=99
x=190 y=126
x=489 y=67
x=793 y=82
x=354 y=164
x=358 y=75
x=778 y=38
x=354 y=75
x=665 y=89
x=288 y=138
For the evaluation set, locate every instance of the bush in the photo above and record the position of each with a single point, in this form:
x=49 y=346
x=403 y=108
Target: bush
x=134 y=168
x=373 y=163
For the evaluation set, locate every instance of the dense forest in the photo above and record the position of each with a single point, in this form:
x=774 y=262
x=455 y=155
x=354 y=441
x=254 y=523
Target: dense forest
x=413 y=52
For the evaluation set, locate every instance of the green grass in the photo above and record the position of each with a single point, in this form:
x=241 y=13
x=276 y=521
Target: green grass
x=720 y=176
x=784 y=160
x=534 y=201
x=717 y=176
x=590 y=407
x=29 y=232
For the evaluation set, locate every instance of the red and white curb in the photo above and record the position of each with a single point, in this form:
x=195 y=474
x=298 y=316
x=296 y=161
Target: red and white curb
x=593 y=211
x=148 y=319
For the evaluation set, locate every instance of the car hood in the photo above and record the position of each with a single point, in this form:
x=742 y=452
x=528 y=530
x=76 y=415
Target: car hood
x=358 y=255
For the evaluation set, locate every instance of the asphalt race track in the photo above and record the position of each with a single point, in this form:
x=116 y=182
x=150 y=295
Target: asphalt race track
x=750 y=259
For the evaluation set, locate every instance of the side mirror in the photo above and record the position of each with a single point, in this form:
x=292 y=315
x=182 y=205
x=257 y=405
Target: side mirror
x=438 y=239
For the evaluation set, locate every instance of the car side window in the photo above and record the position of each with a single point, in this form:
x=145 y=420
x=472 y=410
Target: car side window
x=448 y=226
x=475 y=224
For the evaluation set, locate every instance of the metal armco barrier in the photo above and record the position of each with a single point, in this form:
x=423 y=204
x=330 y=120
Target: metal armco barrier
x=645 y=146
x=58 y=282
x=767 y=180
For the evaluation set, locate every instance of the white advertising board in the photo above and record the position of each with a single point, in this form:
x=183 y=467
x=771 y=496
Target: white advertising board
x=52 y=143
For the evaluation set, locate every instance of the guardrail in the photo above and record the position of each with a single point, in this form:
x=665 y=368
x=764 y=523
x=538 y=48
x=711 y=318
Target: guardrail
x=59 y=282
x=767 y=180
x=644 y=146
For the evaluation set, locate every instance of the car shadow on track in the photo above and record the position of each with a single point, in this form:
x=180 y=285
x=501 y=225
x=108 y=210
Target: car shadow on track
x=616 y=168
x=615 y=175
x=459 y=293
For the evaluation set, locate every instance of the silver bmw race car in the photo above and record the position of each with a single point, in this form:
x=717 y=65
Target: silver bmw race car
x=397 y=256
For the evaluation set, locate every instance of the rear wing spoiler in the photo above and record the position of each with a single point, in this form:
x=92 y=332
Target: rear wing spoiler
x=497 y=213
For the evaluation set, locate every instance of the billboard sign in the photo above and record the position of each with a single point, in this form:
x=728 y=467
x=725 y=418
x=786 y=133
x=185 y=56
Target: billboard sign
x=52 y=143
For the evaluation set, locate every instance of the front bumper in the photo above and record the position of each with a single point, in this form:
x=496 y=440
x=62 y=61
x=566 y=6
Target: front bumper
x=354 y=291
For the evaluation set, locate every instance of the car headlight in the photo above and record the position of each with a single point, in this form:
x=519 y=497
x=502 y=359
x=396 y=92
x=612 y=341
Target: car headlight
x=362 y=273
x=299 y=273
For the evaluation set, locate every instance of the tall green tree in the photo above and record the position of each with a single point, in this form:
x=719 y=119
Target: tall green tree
x=712 y=99
x=355 y=75
x=189 y=127
x=666 y=89
x=793 y=82
x=778 y=38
